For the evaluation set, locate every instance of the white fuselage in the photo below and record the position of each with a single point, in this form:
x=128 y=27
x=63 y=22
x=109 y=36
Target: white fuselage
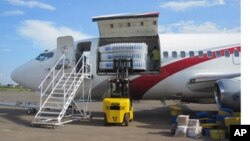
x=173 y=81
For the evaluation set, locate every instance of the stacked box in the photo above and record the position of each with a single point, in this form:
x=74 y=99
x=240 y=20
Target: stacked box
x=182 y=120
x=181 y=131
x=136 y=65
x=194 y=131
x=136 y=51
x=193 y=123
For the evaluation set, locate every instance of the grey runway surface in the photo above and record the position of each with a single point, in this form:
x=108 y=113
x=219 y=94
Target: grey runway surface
x=151 y=123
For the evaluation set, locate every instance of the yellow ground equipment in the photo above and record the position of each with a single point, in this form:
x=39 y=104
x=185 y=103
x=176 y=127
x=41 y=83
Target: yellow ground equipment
x=117 y=111
x=118 y=107
x=217 y=134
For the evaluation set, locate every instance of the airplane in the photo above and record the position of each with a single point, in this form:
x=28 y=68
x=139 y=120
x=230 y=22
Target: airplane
x=192 y=66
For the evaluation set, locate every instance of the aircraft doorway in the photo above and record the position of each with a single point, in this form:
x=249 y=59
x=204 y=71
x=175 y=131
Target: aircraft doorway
x=83 y=48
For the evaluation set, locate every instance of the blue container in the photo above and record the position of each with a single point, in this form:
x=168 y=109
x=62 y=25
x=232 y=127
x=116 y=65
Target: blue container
x=227 y=110
x=214 y=116
x=211 y=121
x=220 y=117
x=201 y=114
x=173 y=119
x=206 y=132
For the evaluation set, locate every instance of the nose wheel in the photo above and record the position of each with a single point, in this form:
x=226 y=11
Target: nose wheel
x=31 y=111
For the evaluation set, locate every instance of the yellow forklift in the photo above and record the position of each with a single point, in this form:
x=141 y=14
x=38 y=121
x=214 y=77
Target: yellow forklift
x=118 y=107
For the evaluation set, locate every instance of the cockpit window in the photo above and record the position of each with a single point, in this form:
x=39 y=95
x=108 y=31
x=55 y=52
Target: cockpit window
x=45 y=56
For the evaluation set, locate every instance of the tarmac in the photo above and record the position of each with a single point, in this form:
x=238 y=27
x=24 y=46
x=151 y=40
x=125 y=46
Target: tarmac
x=151 y=122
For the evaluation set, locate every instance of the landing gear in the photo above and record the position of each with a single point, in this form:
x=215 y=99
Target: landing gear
x=31 y=111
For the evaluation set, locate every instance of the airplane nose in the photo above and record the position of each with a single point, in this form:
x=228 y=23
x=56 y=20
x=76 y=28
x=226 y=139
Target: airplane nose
x=29 y=75
x=17 y=75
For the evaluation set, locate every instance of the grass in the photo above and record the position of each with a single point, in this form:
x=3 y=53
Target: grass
x=13 y=89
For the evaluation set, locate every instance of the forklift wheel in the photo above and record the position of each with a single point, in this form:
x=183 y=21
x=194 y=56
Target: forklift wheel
x=126 y=119
x=105 y=120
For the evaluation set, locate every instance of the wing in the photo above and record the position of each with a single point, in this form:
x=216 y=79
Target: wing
x=206 y=82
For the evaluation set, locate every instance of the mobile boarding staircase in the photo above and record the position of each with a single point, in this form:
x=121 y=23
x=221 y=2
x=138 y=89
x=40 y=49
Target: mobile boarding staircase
x=58 y=90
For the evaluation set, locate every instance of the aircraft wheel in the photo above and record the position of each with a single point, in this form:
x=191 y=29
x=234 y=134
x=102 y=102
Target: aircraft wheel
x=29 y=111
x=33 y=110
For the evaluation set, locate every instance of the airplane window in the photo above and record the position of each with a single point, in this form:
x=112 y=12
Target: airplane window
x=209 y=54
x=154 y=23
x=191 y=54
x=201 y=54
x=227 y=53
x=218 y=53
x=45 y=56
x=183 y=54
x=142 y=23
x=165 y=54
x=111 y=26
x=174 y=54
x=236 y=53
x=128 y=24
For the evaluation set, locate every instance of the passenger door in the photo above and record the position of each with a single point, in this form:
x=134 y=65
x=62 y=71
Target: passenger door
x=65 y=45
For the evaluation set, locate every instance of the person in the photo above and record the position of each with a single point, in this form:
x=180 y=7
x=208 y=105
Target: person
x=155 y=57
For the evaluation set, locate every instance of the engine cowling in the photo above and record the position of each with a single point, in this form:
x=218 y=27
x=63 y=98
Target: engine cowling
x=227 y=93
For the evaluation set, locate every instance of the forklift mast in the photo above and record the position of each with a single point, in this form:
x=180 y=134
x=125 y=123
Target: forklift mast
x=120 y=84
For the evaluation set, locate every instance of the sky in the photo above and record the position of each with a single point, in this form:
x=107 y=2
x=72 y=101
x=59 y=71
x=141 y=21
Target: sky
x=28 y=27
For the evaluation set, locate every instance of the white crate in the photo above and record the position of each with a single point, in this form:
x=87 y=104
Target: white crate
x=193 y=122
x=137 y=65
x=182 y=120
x=124 y=47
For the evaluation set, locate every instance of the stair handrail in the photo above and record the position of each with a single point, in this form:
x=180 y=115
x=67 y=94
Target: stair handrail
x=70 y=92
x=73 y=71
x=62 y=58
x=53 y=68
x=73 y=82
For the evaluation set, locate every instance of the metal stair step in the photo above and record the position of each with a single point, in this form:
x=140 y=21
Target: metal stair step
x=57 y=98
x=60 y=89
x=62 y=85
x=58 y=101
x=57 y=94
x=45 y=117
x=55 y=102
x=52 y=107
x=48 y=112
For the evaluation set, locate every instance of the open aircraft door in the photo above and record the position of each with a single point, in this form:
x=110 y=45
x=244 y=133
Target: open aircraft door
x=65 y=45
x=129 y=36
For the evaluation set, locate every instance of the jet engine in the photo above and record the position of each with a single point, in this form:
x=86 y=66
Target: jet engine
x=227 y=93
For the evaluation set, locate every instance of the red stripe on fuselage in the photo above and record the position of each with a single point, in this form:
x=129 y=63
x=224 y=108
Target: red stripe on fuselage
x=140 y=85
